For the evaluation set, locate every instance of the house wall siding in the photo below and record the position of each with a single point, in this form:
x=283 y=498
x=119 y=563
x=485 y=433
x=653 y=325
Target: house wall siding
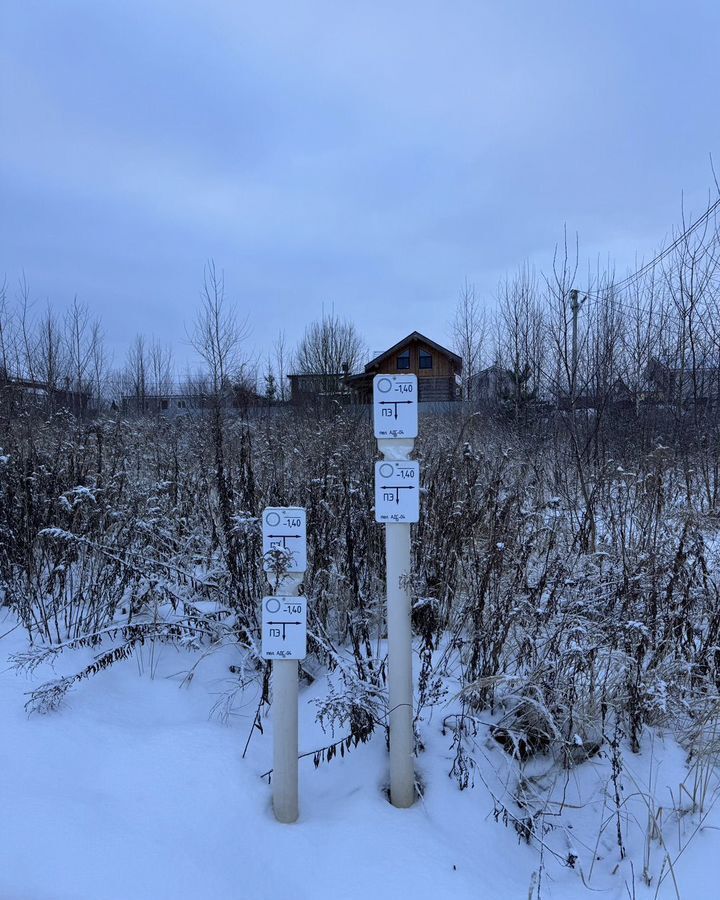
x=442 y=366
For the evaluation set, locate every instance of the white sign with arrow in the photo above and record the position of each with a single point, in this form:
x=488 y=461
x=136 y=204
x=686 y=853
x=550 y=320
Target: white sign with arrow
x=395 y=406
x=284 y=627
x=397 y=491
x=285 y=529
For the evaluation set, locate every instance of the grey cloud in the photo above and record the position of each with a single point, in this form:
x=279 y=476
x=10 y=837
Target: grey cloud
x=363 y=155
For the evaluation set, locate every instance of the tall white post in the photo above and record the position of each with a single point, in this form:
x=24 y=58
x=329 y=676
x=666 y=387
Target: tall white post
x=400 y=683
x=285 y=725
x=397 y=504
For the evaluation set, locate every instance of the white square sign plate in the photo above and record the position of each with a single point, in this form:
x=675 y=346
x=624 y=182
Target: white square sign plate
x=285 y=528
x=284 y=627
x=397 y=491
x=395 y=406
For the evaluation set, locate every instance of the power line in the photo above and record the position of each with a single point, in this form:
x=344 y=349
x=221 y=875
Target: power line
x=609 y=295
x=630 y=279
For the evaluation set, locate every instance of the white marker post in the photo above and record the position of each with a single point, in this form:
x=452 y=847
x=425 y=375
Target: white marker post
x=284 y=641
x=397 y=489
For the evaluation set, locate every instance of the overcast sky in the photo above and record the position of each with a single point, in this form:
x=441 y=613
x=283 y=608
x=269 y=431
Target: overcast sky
x=369 y=156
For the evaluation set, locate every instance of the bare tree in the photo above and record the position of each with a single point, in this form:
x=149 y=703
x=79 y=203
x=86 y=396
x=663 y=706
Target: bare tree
x=469 y=333
x=160 y=358
x=521 y=336
x=8 y=360
x=331 y=345
x=77 y=333
x=568 y=340
x=691 y=278
x=80 y=335
x=280 y=350
x=562 y=374
x=99 y=364
x=218 y=333
x=49 y=357
x=218 y=338
x=640 y=336
x=136 y=375
x=148 y=372
x=26 y=350
x=6 y=335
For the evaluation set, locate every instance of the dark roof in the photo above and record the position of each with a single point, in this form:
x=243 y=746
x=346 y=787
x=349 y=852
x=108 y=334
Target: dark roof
x=414 y=336
x=495 y=367
x=58 y=390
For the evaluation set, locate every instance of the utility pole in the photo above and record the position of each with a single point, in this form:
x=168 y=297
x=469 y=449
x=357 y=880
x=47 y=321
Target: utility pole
x=575 y=306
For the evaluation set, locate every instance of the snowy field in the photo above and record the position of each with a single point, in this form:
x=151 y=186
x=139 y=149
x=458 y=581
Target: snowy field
x=132 y=789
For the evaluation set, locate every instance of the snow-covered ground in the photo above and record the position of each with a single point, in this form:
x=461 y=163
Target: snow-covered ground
x=133 y=790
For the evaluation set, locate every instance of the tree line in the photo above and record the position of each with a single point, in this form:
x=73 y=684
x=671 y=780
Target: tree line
x=553 y=338
x=656 y=332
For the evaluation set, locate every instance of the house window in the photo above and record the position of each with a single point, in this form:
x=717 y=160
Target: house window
x=425 y=360
x=181 y=404
x=403 y=360
x=164 y=404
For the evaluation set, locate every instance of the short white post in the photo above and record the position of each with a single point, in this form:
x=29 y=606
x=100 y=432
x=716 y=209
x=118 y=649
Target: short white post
x=284 y=641
x=285 y=725
x=400 y=688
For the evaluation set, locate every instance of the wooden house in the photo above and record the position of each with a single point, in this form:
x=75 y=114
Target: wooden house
x=438 y=369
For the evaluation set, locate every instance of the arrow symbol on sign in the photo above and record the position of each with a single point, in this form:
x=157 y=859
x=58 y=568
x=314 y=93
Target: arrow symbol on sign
x=283 y=625
x=285 y=537
x=395 y=403
x=397 y=488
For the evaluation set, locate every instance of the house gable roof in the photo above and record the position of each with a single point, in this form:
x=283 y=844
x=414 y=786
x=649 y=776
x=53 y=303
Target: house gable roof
x=414 y=336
